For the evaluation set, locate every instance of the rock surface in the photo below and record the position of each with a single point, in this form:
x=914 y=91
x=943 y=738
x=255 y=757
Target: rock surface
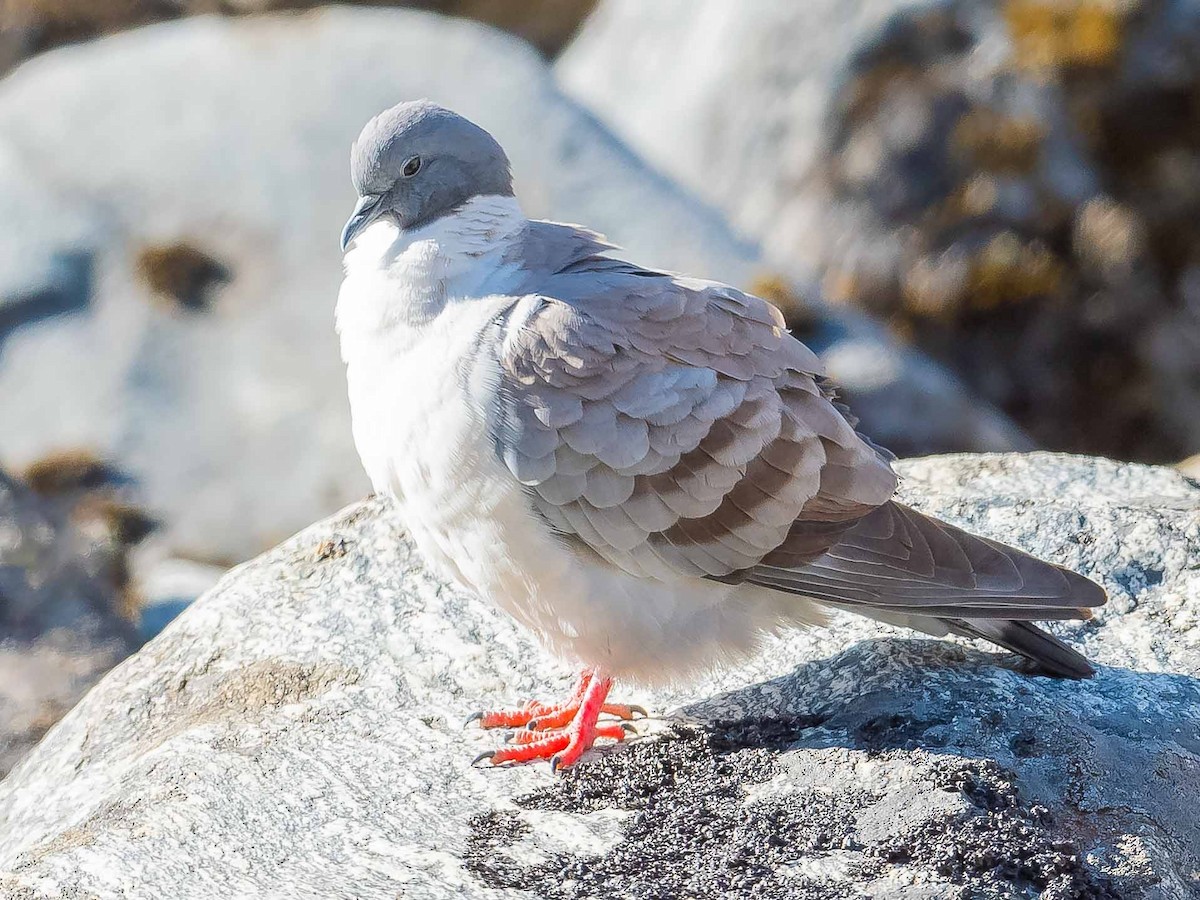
x=296 y=733
x=33 y=26
x=1013 y=185
x=61 y=581
x=170 y=201
x=1191 y=466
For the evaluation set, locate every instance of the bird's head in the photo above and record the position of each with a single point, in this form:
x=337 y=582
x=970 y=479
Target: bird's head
x=416 y=162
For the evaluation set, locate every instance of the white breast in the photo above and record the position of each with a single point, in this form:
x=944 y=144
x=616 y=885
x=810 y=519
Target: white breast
x=409 y=315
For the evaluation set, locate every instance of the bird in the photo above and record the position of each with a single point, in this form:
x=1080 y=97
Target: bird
x=646 y=470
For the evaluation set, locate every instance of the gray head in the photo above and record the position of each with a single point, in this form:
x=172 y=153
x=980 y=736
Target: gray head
x=417 y=162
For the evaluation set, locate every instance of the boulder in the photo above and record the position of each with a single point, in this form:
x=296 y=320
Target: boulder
x=33 y=26
x=297 y=732
x=170 y=200
x=61 y=598
x=1191 y=466
x=1013 y=186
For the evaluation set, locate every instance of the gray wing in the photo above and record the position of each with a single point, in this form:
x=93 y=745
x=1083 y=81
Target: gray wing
x=674 y=427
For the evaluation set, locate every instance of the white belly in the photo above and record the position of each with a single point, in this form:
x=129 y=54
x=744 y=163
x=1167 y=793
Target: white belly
x=426 y=443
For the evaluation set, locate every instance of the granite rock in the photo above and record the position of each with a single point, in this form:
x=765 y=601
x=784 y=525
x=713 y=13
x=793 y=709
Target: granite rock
x=62 y=582
x=34 y=26
x=296 y=733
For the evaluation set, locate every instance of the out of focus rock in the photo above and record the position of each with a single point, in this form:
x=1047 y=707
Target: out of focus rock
x=297 y=733
x=547 y=24
x=176 y=195
x=1191 y=466
x=62 y=590
x=167 y=587
x=1014 y=185
x=32 y=26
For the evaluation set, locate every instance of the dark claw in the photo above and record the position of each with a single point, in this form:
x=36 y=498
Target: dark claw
x=640 y=711
x=486 y=754
x=473 y=717
x=628 y=728
x=508 y=736
x=531 y=725
x=554 y=763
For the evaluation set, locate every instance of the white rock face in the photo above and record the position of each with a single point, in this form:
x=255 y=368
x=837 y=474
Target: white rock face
x=296 y=734
x=736 y=110
x=170 y=201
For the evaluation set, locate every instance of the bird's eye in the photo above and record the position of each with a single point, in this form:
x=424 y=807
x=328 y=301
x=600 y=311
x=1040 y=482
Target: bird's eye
x=411 y=166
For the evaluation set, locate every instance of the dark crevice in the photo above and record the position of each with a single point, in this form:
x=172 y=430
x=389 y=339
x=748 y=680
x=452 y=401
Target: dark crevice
x=70 y=293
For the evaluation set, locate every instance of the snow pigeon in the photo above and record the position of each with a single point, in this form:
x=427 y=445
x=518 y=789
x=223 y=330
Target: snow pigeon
x=644 y=469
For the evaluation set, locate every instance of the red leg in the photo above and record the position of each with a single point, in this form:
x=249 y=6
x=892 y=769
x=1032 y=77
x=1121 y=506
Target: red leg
x=559 y=732
x=539 y=716
x=512 y=718
x=617 y=731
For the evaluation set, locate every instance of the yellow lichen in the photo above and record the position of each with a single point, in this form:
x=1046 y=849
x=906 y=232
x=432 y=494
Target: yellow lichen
x=65 y=471
x=935 y=286
x=998 y=143
x=978 y=196
x=774 y=287
x=1052 y=34
x=1190 y=466
x=841 y=286
x=1108 y=235
x=1008 y=270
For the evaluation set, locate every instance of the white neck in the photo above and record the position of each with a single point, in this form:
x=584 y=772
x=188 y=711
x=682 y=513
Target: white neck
x=406 y=278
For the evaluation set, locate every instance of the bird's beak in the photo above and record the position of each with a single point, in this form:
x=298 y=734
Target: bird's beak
x=366 y=212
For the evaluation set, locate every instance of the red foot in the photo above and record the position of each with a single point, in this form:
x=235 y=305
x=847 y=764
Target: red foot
x=560 y=732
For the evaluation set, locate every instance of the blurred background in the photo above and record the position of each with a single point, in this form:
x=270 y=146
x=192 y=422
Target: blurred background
x=984 y=214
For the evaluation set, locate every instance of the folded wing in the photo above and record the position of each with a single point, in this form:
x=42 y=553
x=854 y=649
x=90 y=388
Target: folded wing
x=678 y=430
x=674 y=428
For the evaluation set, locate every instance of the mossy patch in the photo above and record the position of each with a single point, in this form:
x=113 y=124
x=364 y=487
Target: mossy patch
x=182 y=275
x=1025 y=209
x=1052 y=34
x=67 y=471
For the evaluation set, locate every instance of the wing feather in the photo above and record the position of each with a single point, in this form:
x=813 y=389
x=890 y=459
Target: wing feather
x=674 y=428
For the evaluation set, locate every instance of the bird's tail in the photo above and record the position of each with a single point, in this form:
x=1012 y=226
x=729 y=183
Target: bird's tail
x=904 y=567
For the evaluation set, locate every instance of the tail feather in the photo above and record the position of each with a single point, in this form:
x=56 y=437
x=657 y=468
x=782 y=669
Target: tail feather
x=901 y=562
x=1052 y=655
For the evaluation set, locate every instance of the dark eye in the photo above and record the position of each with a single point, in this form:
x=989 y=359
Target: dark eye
x=411 y=167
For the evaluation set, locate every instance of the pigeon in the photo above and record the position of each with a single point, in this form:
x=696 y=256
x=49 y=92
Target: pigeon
x=646 y=470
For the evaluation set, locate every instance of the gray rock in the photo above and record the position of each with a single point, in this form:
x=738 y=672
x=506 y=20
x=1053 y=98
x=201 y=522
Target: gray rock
x=736 y=111
x=33 y=26
x=60 y=592
x=170 y=201
x=296 y=733
x=1013 y=186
